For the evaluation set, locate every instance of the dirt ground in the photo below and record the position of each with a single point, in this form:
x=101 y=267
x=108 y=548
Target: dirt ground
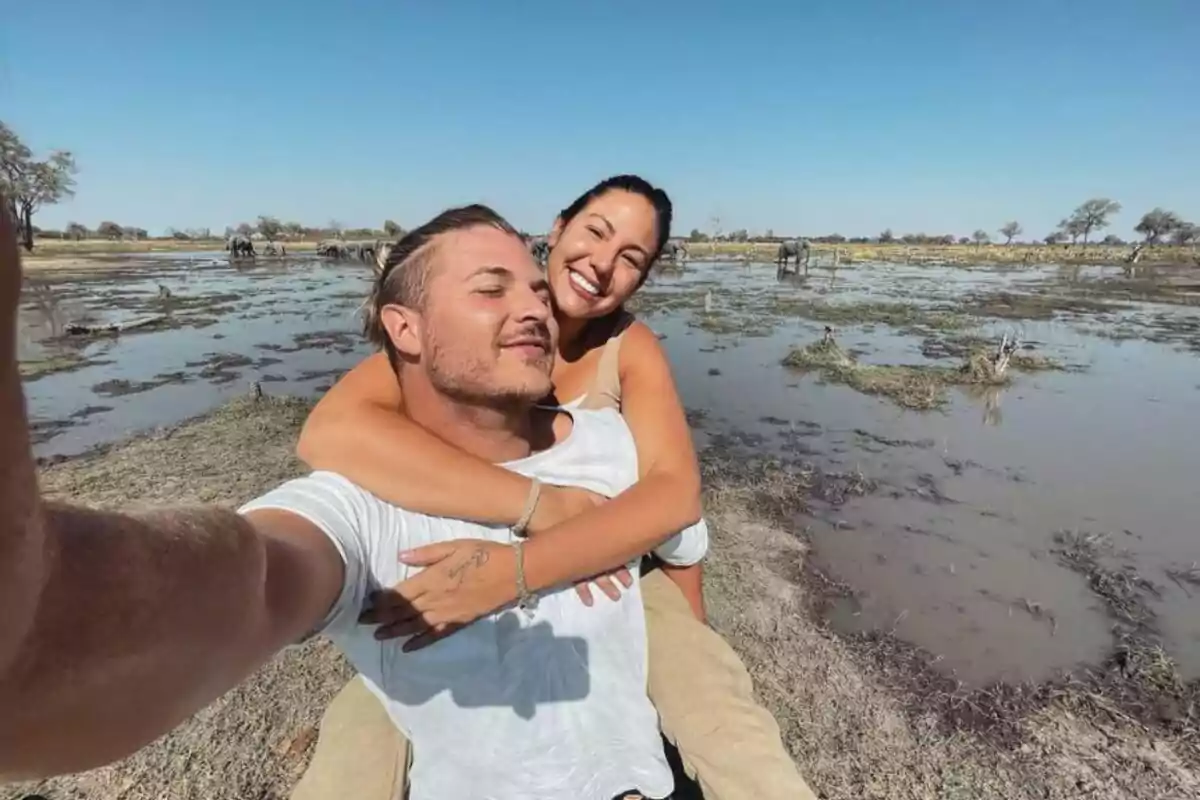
x=852 y=731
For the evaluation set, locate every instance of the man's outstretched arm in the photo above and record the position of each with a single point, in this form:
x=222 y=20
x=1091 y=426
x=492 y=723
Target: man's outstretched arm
x=121 y=626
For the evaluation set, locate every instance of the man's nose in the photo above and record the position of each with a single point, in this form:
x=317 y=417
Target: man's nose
x=532 y=307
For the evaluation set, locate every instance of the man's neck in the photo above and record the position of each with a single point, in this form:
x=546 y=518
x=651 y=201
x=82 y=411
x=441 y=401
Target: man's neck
x=497 y=432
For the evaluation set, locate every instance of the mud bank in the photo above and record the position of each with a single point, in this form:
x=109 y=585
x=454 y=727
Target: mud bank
x=855 y=730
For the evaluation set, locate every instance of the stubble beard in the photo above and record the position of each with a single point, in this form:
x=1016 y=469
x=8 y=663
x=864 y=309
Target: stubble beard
x=463 y=377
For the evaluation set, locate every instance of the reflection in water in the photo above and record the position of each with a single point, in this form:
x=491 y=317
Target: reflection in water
x=989 y=397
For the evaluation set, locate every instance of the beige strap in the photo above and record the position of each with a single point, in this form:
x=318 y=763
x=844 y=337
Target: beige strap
x=605 y=390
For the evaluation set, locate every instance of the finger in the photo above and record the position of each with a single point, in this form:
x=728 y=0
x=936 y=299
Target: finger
x=608 y=587
x=408 y=627
x=429 y=554
x=584 y=592
x=624 y=577
x=427 y=638
x=388 y=606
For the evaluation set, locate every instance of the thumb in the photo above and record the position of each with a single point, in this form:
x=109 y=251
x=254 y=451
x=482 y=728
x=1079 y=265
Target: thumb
x=426 y=555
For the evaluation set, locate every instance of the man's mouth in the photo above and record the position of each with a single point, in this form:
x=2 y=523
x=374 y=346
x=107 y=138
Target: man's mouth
x=582 y=285
x=530 y=345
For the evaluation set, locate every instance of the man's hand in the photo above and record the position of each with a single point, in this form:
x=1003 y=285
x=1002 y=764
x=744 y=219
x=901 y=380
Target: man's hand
x=463 y=580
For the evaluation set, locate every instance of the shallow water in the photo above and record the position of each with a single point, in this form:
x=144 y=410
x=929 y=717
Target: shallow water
x=952 y=552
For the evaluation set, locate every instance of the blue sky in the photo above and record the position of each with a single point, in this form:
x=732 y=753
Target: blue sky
x=850 y=116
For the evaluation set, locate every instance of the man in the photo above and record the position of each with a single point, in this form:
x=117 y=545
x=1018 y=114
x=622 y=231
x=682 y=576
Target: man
x=120 y=626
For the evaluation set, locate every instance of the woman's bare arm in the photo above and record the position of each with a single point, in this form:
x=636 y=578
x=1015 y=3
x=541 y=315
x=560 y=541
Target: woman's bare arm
x=664 y=501
x=359 y=430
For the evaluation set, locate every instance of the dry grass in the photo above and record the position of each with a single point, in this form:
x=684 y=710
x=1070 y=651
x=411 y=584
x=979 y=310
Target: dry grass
x=1017 y=254
x=914 y=387
x=854 y=735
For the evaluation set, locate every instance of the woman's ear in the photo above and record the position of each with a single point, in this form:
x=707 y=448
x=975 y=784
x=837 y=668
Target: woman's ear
x=555 y=232
x=403 y=327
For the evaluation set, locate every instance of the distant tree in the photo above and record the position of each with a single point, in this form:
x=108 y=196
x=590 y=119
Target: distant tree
x=980 y=237
x=1112 y=240
x=887 y=237
x=1185 y=233
x=1157 y=224
x=740 y=235
x=269 y=227
x=696 y=236
x=245 y=229
x=29 y=184
x=108 y=230
x=200 y=233
x=76 y=231
x=948 y=239
x=392 y=229
x=1056 y=237
x=335 y=228
x=131 y=232
x=1093 y=215
x=835 y=238
x=1010 y=231
x=770 y=234
x=1072 y=228
x=179 y=235
x=964 y=240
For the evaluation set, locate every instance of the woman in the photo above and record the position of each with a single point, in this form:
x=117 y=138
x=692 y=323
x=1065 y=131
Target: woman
x=602 y=248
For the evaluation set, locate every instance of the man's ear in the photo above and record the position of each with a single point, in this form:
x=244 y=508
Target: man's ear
x=555 y=232
x=403 y=327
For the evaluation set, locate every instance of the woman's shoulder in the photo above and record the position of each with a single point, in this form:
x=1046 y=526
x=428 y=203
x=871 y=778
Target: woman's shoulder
x=639 y=337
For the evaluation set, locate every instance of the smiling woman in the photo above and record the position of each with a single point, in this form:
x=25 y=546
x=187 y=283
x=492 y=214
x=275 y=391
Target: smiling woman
x=602 y=247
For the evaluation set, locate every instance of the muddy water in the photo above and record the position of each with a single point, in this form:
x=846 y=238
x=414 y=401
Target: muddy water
x=290 y=325
x=952 y=552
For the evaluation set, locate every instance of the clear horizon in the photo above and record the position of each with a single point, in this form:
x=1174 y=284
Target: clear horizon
x=849 y=118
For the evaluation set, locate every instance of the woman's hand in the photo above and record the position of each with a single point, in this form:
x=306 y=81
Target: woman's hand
x=463 y=580
x=560 y=503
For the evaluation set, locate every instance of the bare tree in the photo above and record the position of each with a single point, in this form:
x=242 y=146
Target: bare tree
x=887 y=237
x=269 y=227
x=1156 y=224
x=1055 y=237
x=245 y=228
x=980 y=237
x=1093 y=215
x=335 y=228
x=1010 y=231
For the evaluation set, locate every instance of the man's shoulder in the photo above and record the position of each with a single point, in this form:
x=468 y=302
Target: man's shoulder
x=319 y=486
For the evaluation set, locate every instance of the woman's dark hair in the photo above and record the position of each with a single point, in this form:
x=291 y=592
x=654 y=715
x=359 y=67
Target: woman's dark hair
x=635 y=185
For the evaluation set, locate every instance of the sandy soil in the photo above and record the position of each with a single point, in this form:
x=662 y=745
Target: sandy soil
x=853 y=733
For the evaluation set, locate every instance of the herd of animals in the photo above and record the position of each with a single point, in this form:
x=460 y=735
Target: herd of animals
x=240 y=246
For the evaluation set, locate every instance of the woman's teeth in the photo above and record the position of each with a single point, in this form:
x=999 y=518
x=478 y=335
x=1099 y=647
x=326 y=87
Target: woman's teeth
x=584 y=284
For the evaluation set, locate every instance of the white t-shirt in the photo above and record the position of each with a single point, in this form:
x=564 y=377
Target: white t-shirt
x=544 y=705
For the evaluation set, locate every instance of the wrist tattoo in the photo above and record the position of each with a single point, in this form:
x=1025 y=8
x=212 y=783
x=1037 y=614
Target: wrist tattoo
x=477 y=558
